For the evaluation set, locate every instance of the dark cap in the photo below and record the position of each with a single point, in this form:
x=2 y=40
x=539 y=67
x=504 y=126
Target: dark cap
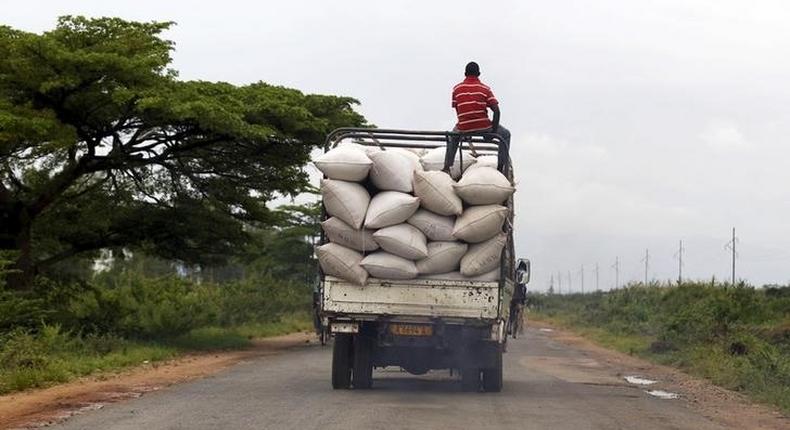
x=472 y=69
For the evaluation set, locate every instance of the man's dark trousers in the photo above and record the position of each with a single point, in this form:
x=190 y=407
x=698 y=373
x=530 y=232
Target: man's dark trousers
x=504 y=150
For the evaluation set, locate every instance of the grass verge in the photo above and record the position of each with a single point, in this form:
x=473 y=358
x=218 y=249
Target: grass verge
x=627 y=343
x=55 y=356
x=738 y=337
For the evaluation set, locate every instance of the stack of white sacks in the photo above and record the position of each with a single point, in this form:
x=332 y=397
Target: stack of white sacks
x=394 y=215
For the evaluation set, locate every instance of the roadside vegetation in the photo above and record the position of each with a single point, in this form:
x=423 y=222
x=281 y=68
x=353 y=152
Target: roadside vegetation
x=737 y=336
x=125 y=307
x=121 y=318
x=136 y=221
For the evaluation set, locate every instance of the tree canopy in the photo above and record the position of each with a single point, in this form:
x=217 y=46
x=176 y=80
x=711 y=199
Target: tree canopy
x=101 y=145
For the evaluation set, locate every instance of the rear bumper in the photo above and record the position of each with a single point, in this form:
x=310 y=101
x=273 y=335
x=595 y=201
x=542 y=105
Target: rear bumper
x=449 y=347
x=444 y=333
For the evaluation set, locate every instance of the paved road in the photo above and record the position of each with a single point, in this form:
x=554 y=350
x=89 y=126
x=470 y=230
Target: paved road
x=548 y=385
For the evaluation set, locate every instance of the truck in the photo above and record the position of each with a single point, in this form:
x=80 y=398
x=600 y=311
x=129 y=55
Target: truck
x=422 y=324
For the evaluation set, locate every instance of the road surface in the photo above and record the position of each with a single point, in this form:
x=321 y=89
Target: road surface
x=548 y=385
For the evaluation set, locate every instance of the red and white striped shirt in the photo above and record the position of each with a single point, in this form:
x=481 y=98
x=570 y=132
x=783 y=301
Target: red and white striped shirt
x=471 y=99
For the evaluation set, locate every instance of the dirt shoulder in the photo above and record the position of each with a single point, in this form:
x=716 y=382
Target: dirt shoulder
x=41 y=407
x=723 y=406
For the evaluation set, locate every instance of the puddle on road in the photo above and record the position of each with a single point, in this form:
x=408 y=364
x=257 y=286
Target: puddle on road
x=661 y=394
x=638 y=380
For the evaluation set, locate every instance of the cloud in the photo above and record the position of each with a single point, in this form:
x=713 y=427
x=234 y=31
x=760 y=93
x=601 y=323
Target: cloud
x=723 y=135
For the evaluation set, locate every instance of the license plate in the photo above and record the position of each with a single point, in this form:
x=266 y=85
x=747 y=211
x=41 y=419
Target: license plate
x=411 y=330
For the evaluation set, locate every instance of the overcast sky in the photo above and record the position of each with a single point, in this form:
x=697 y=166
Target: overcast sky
x=635 y=123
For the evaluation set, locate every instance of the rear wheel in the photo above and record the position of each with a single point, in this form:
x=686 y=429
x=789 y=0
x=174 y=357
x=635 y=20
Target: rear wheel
x=470 y=379
x=341 y=362
x=492 y=377
x=363 y=362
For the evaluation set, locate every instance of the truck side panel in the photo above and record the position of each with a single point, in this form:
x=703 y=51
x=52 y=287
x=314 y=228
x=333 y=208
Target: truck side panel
x=426 y=298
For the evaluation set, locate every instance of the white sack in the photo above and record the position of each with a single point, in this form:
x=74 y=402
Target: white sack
x=344 y=163
x=485 y=161
x=391 y=171
x=403 y=240
x=384 y=265
x=389 y=208
x=436 y=193
x=414 y=157
x=343 y=234
x=479 y=223
x=367 y=149
x=483 y=257
x=442 y=257
x=483 y=186
x=434 y=160
x=346 y=200
x=457 y=276
x=433 y=226
x=337 y=260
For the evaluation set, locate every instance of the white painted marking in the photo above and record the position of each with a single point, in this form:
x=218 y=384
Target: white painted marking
x=638 y=380
x=666 y=395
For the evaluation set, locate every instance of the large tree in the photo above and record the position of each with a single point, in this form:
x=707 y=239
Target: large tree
x=101 y=145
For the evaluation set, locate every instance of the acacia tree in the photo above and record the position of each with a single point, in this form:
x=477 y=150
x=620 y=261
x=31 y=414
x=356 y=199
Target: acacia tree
x=101 y=145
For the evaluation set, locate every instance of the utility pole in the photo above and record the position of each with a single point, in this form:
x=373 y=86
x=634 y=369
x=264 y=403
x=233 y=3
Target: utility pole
x=559 y=281
x=647 y=263
x=581 y=272
x=734 y=254
x=679 y=256
x=551 y=284
x=616 y=267
x=731 y=246
x=597 y=287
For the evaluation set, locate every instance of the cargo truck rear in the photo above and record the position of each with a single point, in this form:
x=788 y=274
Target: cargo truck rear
x=428 y=322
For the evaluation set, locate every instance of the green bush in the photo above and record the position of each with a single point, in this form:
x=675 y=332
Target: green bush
x=17 y=310
x=60 y=330
x=51 y=354
x=137 y=307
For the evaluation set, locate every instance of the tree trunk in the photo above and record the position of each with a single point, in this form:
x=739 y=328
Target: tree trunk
x=16 y=237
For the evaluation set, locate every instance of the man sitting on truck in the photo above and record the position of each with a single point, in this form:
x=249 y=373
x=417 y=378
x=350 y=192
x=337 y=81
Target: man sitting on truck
x=471 y=100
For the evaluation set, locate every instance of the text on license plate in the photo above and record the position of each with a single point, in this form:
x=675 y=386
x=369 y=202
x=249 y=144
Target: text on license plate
x=411 y=330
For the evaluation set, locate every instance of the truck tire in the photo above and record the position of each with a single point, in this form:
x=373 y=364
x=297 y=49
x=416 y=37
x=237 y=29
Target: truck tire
x=341 y=362
x=470 y=379
x=363 y=362
x=492 y=377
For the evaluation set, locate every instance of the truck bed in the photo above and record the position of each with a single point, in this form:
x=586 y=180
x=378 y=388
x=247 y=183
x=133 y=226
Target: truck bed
x=431 y=298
